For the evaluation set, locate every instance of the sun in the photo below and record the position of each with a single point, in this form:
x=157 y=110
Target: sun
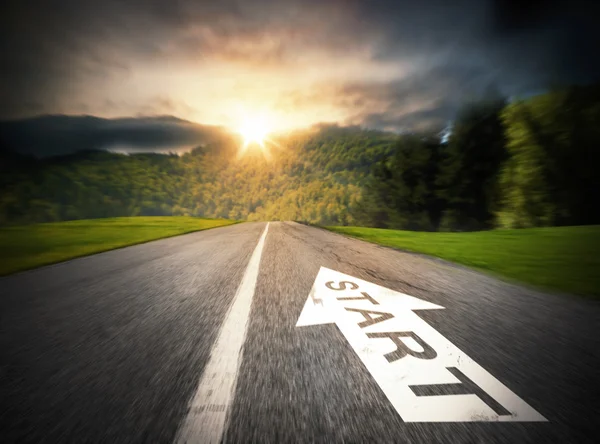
x=254 y=130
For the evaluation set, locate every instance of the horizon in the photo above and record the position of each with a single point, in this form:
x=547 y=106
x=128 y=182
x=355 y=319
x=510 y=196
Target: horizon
x=163 y=134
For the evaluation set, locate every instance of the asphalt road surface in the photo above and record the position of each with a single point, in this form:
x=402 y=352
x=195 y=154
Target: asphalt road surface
x=113 y=348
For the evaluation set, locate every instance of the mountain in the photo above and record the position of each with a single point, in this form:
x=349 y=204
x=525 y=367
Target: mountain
x=52 y=135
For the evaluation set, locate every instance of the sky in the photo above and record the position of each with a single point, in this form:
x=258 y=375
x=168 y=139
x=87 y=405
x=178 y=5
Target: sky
x=385 y=64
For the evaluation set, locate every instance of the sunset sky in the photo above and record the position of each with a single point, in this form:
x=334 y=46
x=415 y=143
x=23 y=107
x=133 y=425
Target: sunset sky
x=384 y=64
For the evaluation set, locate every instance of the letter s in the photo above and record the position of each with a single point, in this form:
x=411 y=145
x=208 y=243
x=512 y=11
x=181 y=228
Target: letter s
x=342 y=285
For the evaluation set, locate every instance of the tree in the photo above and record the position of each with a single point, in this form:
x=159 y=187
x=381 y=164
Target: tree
x=401 y=192
x=472 y=160
x=551 y=175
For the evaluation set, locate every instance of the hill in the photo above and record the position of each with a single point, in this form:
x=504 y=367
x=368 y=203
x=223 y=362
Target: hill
x=313 y=175
x=54 y=135
x=510 y=164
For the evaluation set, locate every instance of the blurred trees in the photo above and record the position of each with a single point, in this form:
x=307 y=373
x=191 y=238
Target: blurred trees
x=472 y=159
x=525 y=164
x=401 y=192
x=554 y=146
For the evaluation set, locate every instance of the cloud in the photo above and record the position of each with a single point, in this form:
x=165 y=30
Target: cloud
x=343 y=60
x=58 y=135
x=424 y=100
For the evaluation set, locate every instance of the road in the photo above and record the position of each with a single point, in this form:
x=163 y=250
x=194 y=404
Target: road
x=114 y=347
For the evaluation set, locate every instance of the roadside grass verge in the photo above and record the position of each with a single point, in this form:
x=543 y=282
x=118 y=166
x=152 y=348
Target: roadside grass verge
x=30 y=246
x=566 y=259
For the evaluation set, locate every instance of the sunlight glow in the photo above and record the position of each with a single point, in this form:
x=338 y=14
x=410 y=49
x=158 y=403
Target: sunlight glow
x=254 y=129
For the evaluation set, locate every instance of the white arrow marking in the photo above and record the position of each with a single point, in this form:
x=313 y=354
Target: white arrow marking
x=424 y=376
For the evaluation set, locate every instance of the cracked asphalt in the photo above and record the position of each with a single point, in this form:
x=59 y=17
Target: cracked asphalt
x=110 y=348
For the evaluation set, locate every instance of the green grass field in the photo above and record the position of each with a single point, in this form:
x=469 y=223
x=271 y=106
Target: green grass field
x=31 y=246
x=563 y=258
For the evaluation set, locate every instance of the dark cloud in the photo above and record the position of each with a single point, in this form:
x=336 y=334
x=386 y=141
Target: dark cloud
x=50 y=51
x=427 y=99
x=555 y=40
x=58 y=135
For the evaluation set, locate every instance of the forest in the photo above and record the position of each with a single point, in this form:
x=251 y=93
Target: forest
x=523 y=163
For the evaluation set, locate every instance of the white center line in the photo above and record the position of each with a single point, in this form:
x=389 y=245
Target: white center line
x=208 y=410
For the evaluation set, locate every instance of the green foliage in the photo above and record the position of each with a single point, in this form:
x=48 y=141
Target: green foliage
x=526 y=164
x=90 y=185
x=401 y=191
x=30 y=246
x=554 y=145
x=312 y=176
x=562 y=258
x=472 y=159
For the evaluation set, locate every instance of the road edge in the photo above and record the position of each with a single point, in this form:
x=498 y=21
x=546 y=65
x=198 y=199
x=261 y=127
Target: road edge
x=84 y=255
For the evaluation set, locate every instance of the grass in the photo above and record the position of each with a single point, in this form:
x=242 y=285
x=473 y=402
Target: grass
x=566 y=259
x=30 y=246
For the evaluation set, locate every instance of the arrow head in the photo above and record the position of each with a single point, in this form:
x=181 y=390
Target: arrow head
x=333 y=285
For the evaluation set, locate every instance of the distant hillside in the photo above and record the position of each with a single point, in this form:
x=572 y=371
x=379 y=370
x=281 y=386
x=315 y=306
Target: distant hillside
x=53 y=135
x=525 y=163
x=313 y=175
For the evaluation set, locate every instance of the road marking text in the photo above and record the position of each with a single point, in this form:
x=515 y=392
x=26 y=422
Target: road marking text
x=424 y=376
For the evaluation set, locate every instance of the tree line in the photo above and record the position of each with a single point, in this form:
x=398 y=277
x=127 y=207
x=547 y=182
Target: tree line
x=529 y=163
x=526 y=163
x=313 y=176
